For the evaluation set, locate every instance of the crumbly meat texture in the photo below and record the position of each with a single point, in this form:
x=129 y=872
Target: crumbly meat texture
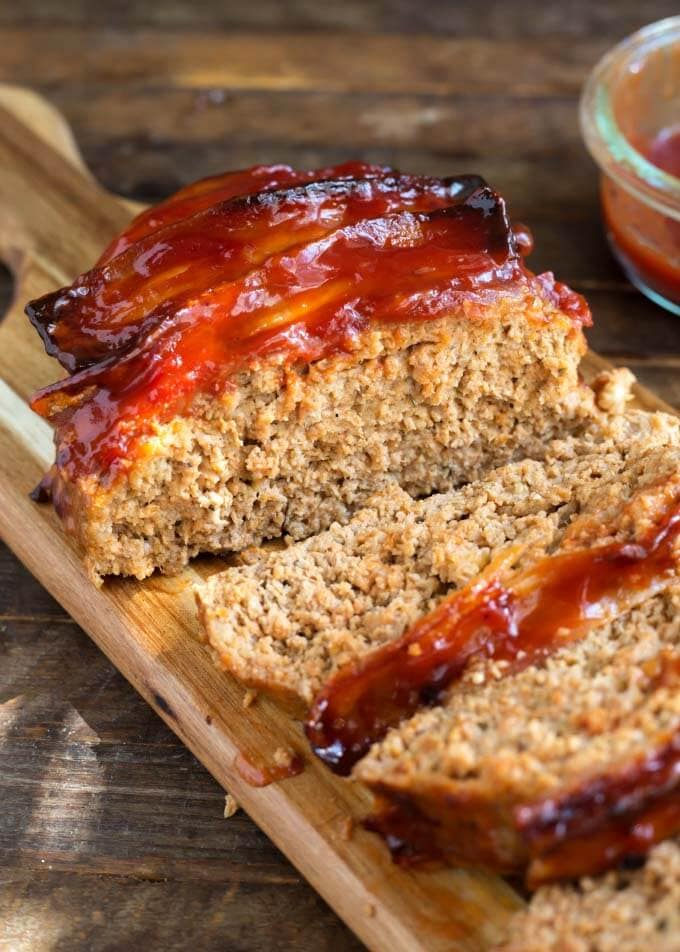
x=515 y=769
x=290 y=450
x=289 y=619
x=624 y=911
x=503 y=744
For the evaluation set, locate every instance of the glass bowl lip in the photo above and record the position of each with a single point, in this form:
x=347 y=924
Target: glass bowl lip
x=614 y=154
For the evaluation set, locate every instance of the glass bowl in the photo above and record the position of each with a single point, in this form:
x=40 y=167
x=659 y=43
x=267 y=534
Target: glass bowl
x=630 y=119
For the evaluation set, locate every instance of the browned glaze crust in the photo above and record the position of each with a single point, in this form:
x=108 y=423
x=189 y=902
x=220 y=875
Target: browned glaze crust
x=295 y=268
x=521 y=620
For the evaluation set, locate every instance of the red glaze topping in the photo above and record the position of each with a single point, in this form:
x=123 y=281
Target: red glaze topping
x=206 y=192
x=624 y=835
x=608 y=817
x=535 y=612
x=217 y=278
x=613 y=822
x=112 y=307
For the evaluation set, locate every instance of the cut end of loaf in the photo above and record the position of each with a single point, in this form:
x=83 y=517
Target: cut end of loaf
x=211 y=405
x=289 y=620
x=289 y=451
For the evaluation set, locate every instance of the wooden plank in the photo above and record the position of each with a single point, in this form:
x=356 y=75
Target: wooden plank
x=627 y=325
x=330 y=120
x=279 y=61
x=642 y=398
x=499 y=19
x=22 y=600
x=142 y=914
x=93 y=783
x=92 y=780
x=662 y=377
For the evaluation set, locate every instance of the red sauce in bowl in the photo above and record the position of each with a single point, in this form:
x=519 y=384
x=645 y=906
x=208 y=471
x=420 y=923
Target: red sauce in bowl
x=663 y=151
x=647 y=241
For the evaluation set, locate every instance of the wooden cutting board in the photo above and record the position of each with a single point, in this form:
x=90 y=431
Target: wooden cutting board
x=54 y=220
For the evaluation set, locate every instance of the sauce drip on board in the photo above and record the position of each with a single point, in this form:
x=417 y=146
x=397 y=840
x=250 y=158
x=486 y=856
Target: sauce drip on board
x=520 y=620
x=216 y=280
x=262 y=776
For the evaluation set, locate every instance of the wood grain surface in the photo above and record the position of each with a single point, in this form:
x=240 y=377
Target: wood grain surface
x=111 y=834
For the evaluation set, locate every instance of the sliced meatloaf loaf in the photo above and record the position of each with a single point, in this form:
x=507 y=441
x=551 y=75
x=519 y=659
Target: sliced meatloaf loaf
x=565 y=760
x=290 y=619
x=268 y=349
x=625 y=911
x=561 y=770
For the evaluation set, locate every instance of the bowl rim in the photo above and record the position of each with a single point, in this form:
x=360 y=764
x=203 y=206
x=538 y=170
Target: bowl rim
x=610 y=149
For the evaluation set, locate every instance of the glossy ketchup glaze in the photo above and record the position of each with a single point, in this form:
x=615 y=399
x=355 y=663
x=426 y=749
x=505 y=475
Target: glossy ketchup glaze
x=521 y=619
x=576 y=812
x=595 y=828
x=108 y=309
x=629 y=836
x=608 y=818
x=216 y=280
x=210 y=191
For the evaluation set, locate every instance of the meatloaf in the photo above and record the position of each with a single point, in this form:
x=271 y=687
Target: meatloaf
x=561 y=770
x=260 y=354
x=557 y=749
x=628 y=910
x=287 y=620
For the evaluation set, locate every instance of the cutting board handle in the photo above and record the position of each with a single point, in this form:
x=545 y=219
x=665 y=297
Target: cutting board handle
x=54 y=218
x=46 y=191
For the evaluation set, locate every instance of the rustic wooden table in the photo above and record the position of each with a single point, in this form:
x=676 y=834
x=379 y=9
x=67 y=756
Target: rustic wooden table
x=111 y=834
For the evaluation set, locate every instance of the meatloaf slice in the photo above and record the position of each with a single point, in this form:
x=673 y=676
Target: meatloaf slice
x=627 y=910
x=290 y=619
x=563 y=768
x=259 y=366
